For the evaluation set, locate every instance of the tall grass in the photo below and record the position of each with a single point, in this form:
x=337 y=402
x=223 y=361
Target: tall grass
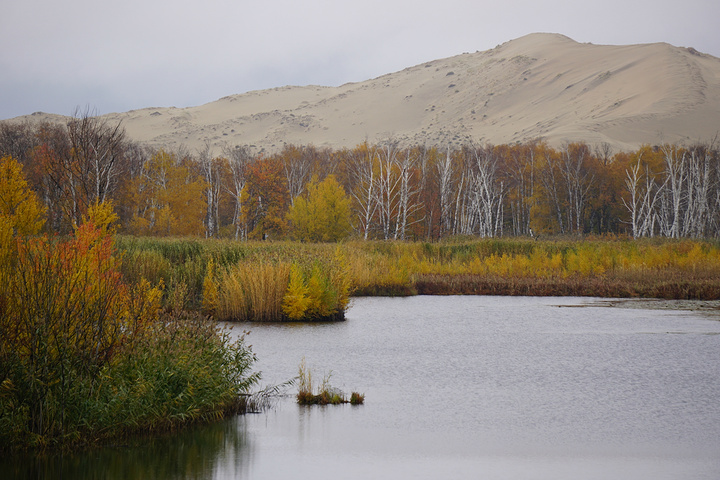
x=85 y=356
x=252 y=292
x=323 y=394
x=606 y=267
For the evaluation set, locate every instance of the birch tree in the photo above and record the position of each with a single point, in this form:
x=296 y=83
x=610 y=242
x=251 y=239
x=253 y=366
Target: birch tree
x=212 y=171
x=297 y=166
x=239 y=157
x=445 y=172
x=487 y=194
x=672 y=198
x=387 y=187
x=578 y=181
x=97 y=148
x=362 y=174
x=644 y=193
x=409 y=190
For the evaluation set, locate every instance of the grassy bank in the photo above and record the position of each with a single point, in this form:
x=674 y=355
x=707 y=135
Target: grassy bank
x=87 y=357
x=683 y=269
x=243 y=281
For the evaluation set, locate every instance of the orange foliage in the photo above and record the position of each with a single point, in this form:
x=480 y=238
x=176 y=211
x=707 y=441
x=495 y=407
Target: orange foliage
x=265 y=199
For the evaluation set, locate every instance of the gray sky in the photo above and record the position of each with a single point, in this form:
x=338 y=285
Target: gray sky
x=125 y=54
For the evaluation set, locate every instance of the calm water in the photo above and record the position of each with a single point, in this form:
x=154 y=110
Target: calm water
x=465 y=387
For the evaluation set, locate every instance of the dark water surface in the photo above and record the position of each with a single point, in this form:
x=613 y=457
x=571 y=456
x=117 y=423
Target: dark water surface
x=463 y=387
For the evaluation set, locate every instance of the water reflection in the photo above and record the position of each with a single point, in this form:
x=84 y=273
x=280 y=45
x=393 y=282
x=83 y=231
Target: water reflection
x=197 y=453
x=463 y=387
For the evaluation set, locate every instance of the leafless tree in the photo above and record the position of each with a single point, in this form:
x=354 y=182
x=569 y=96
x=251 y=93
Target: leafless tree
x=644 y=194
x=578 y=182
x=297 y=165
x=97 y=150
x=445 y=172
x=520 y=171
x=239 y=157
x=550 y=179
x=409 y=189
x=212 y=171
x=362 y=173
x=387 y=186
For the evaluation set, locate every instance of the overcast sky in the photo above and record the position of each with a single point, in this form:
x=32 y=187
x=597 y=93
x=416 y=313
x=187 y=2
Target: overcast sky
x=125 y=54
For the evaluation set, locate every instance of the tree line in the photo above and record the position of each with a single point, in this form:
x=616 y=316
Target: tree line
x=374 y=191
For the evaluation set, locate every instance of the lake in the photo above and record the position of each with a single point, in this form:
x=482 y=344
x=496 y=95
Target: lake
x=463 y=387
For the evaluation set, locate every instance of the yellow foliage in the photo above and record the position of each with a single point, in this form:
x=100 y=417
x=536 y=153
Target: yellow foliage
x=320 y=295
x=210 y=289
x=65 y=301
x=168 y=198
x=324 y=216
x=252 y=292
x=102 y=215
x=297 y=299
x=18 y=203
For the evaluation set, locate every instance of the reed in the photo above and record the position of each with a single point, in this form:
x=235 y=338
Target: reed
x=614 y=266
x=86 y=357
x=605 y=267
x=324 y=393
x=252 y=292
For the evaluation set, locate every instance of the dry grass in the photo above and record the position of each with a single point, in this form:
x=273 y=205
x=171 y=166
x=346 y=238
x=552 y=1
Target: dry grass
x=326 y=394
x=252 y=292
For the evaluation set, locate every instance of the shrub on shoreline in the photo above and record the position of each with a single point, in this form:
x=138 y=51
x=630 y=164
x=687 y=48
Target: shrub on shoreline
x=86 y=357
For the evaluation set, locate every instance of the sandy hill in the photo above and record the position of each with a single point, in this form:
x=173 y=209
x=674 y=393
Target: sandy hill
x=538 y=86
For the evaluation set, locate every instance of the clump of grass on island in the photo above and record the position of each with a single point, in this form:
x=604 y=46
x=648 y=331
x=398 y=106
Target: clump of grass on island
x=326 y=394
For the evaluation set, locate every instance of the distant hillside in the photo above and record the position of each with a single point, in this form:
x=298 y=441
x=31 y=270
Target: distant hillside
x=538 y=86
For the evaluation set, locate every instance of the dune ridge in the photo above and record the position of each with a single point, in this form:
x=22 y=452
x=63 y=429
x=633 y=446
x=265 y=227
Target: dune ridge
x=542 y=85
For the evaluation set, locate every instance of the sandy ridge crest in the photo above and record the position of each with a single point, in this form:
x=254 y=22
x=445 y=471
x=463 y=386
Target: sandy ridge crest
x=538 y=86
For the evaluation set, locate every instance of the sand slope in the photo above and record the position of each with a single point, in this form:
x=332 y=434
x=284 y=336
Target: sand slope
x=538 y=86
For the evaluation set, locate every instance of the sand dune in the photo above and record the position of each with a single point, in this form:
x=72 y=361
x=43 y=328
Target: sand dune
x=538 y=86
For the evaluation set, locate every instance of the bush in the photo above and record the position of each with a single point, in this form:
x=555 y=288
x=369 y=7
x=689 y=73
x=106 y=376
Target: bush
x=85 y=356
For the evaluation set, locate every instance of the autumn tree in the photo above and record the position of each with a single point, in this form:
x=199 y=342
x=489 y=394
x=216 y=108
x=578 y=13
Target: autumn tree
x=605 y=212
x=265 y=199
x=549 y=203
x=19 y=206
x=324 y=216
x=168 y=198
x=578 y=179
x=519 y=174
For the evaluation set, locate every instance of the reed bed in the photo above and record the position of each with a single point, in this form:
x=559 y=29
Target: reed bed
x=252 y=292
x=610 y=268
x=617 y=267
